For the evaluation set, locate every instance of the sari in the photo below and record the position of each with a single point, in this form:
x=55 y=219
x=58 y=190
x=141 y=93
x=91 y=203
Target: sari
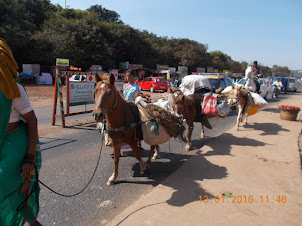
x=13 y=149
x=130 y=90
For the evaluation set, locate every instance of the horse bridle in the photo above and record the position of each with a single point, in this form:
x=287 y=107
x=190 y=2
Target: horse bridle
x=100 y=116
x=114 y=105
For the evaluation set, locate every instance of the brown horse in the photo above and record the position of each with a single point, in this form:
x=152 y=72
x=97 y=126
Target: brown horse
x=186 y=107
x=109 y=101
x=238 y=96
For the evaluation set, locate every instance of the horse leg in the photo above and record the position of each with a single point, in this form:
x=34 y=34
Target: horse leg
x=202 y=131
x=137 y=155
x=245 y=117
x=239 y=116
x=156 y=153
x=189 y=134
x=117 y=152
x=152 y=147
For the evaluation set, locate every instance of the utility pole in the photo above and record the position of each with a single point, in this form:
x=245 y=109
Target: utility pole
x=65 y=4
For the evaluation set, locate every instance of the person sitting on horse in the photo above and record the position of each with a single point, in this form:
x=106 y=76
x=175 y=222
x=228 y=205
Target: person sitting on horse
x=249 y=80
x=257 y=74
x=130 y=88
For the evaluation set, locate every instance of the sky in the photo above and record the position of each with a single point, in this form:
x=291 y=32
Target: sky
x=269 y=31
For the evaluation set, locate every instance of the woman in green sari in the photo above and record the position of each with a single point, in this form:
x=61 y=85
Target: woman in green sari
x=19 y=148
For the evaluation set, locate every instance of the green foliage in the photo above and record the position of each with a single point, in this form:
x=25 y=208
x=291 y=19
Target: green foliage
x=39 y=32
x=105 y=14
x=280 y=71
x=220 y=60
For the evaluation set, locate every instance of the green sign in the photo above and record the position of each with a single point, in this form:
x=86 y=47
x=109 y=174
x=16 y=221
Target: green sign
x=162 y=67
x=62 y=62
x=182 y=69
x=210 y=69
x=123 y=65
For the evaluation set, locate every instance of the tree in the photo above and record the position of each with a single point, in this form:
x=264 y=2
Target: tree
x=280 y=71
x=105 y=14
x=220 y=60
x=20 y=19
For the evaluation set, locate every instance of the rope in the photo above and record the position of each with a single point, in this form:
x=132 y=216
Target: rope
x=88 y=181
x=37 y=180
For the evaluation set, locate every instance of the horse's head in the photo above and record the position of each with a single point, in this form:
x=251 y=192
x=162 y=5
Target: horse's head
x=178 y=103
x=234 y=95
x=105 y=96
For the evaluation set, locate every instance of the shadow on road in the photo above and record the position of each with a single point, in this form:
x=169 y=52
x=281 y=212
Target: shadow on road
x=229 y=140
x=49 y=143
x=273 y=110
x=186 y=189
x=267 y=128
x=83 y=126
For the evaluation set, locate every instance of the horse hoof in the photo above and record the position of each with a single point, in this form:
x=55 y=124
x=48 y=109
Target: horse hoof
x=142 y=172
x=110 y=182
x=187 y=148
x=155 y=157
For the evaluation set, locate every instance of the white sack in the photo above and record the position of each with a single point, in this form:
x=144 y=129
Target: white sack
x=191 y=82
x=259 y=100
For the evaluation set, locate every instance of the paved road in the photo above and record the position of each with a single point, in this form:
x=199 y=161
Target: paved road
x=69 y=159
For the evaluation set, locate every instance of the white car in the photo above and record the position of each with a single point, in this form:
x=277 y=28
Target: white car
x=77 y=78
x=265 y=88
x=293 y=84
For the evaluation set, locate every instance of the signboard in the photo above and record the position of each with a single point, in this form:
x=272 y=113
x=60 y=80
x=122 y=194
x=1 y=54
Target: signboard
x=215 y=70
x=182 y=69
x=135 y=66
x=210 y=70
x=160 y=67
x=113 y=71
x=96 y=68
x=62 y=62
x=81 y=93
x=200 y=70
x=90 y=78
x=123 y=65
x=172 y=69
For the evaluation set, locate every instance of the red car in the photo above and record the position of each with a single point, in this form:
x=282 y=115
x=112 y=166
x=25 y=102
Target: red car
x=154 y=84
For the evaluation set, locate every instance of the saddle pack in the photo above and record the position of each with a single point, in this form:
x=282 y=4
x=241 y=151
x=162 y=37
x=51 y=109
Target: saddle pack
x=136 y=117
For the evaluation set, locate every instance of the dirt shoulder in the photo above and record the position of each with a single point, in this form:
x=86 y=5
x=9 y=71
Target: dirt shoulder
x=42 y=96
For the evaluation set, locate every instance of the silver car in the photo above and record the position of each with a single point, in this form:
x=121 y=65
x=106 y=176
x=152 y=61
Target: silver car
x=293 y=84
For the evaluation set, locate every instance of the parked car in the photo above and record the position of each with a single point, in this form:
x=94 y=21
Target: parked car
x=293 y=84
x=78 y=78
x=154 y=84
x=217 y=81
x=265 y=87
x=284 y=81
